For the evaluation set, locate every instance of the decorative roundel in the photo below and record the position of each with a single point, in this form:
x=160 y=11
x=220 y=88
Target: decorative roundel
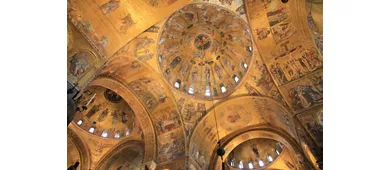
x=205 y=50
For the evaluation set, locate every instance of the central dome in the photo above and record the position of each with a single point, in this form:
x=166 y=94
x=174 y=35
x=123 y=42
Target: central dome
x=205 y=50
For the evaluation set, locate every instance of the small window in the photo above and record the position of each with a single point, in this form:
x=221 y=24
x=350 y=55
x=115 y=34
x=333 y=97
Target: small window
x=177 y=84
x=91 y=130
x=244 y=65
x=127 y=132
x=207 y=92
x=160 y=58
x=261 y=163
x=269 y=158
x=280 y=145
x=240 y=165
x=277 y=152
x=235 y=78
x=250 y=165
x=104 y=134
x=80 y=122
x=191 y=89
x=223 y=88
x=117 y=135
x=232 y=163
x=249 y=48
x=161 y=40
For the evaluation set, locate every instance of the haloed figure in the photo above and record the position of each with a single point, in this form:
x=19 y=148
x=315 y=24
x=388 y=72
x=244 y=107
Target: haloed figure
x=110 y=6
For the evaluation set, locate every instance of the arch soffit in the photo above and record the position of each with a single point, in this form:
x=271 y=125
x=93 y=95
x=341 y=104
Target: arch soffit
x=264 y=115
x=118 y=148
x=259 y=131
x=253 y=133
x=232 y=100
x=82 y=148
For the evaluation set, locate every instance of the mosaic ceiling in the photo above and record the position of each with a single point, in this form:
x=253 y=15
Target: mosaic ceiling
x=196 y=56
x=105 y=114
x=205 y=50
x=126 y=159
x=255 y=153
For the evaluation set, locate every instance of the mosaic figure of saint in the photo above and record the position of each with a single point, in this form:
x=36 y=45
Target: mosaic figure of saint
x=175 y=62
x=93 y=110
x=207 y=73
x=110 y=6
x=103 y=116
x=78 y=64
x=103 y=42
x=124 y=117
x=114 y=117
x=194 y=75
x=218 y=71
x=127 y=21
x=262 y=33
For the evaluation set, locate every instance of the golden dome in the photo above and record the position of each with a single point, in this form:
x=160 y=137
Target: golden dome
x=107 y=115
x=204 y=50
x=255 y=154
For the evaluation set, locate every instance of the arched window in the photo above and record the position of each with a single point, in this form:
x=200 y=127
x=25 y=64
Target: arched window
x=128 y=132
x=269 y=158
x=91 y=130
x=240 y=165
x=249 y=48
x=232 y=162
x=261 y=163
x=80 y=122
x=161 y=40
x=117 y=135
x=277 y=152
x=160 y=58
x=191 y=90
x=250 y=165
x=244 y=65
x=177 y=83
x=280 y=145
x=235 y=78
x=105 y=133
x=223 y=88
x=207 y=92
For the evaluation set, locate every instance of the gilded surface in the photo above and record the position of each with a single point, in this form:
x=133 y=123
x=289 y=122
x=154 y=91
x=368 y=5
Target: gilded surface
x=107 y=113
x=280 y=88
x=110 y=24
x=254 y=151
x=232 y=117
x=290 y=53
x=204 y=50
x=83 y=61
